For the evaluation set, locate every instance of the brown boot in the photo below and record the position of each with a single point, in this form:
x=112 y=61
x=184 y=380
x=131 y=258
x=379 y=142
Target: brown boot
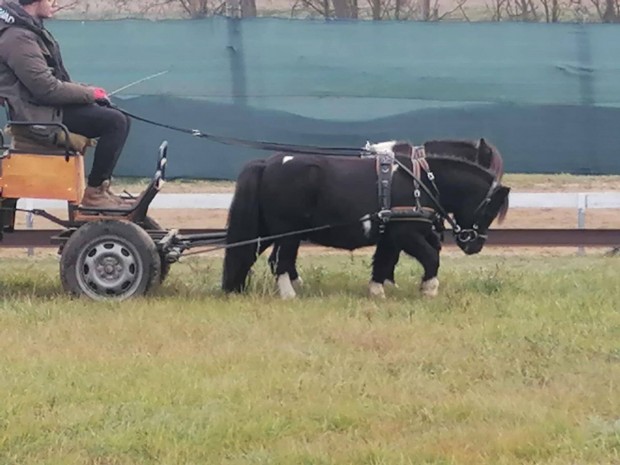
x=97 y=197
x=122 y=202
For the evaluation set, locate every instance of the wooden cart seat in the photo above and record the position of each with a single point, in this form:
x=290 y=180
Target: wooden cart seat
x=33 y=169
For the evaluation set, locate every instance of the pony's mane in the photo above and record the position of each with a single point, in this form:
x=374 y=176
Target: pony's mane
x=475 y=168
x=467 y=143
x=472 y=166
x=496 y=165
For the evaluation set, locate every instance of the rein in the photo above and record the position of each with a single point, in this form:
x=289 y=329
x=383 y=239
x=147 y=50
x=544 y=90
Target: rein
x=261 y=145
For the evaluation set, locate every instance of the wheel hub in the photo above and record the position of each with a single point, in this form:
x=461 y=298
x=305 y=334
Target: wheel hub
x=110 y=268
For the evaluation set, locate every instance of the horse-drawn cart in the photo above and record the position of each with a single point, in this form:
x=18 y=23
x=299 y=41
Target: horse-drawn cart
x=104 y=253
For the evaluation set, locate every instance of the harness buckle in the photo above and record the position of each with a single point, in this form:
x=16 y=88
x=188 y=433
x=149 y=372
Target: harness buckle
x=384 y=215
x=467 y=235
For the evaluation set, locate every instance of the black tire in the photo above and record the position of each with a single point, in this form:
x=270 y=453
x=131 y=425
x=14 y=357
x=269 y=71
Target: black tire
x=150 y=223
x=110 y=260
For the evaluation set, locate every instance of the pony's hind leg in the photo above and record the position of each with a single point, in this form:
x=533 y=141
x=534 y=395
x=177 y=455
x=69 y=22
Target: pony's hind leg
x=274 y=258
x=283 y=266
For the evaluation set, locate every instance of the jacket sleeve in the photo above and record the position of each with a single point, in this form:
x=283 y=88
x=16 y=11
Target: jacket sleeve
x=26 y=60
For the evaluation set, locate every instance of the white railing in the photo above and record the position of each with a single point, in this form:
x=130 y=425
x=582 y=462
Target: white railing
x=580 y=201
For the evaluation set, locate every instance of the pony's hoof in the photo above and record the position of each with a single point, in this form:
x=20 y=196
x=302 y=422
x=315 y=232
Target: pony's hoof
x=287 y=296
x=297 y=284
x=430 y=288
x=285 y=287
x=376 y=290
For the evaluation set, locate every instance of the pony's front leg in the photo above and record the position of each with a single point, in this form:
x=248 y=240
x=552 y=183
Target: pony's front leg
x=383 y=263
x=427 y=254
x=283 y=267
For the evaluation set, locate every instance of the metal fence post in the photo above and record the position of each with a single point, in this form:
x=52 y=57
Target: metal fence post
x=582 y=205
x=30 y=222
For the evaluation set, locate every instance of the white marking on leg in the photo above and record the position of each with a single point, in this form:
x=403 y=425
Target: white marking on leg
x=285 y=287
x=366 y=225
x=376 y=290
x=287 y=158
x=430 y=288
x=389 y=283
x=297 y=283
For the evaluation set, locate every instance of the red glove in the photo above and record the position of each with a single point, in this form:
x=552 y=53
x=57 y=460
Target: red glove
x=100 y=94
x=101 y=97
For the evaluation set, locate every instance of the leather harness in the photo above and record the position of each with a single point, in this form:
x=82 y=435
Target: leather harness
x=385 y=171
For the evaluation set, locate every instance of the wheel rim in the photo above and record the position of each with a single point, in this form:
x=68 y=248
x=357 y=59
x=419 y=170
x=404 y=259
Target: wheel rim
x=109 y=268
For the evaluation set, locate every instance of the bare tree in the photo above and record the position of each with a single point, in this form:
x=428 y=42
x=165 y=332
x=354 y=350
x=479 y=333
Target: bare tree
x=552 y=10
x=319 y=8
x=521 y=10
x=608 y=10
x=248 y=8
x=343 y=9
x=67 y=5
x=459 y=6
x=496 y=9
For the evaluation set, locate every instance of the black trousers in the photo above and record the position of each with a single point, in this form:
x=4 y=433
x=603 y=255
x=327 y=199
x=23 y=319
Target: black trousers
x=109 y=125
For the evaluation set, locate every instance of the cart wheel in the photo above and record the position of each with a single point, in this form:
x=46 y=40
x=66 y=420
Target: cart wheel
x=109 y=260
x=150 y=223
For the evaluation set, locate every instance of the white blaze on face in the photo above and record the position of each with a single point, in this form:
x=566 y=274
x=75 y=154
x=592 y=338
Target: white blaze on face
x=285 y=287
x=286 y=159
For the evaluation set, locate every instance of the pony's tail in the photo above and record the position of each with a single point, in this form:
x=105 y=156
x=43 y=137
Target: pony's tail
x=243 y=225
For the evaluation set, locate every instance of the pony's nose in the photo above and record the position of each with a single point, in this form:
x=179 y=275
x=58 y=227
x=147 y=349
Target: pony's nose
x=472 y=248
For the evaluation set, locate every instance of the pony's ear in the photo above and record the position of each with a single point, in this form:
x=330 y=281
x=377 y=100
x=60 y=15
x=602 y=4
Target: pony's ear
x=483 y=147
x=485 y=153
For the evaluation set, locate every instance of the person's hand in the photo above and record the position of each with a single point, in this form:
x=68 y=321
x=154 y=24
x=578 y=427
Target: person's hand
x=101 y=96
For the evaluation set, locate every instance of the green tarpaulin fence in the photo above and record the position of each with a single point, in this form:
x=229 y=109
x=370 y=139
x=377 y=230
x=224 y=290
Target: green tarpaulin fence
x=547 y=95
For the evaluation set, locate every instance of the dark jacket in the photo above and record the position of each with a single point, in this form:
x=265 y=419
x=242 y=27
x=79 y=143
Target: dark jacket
x=33 y=78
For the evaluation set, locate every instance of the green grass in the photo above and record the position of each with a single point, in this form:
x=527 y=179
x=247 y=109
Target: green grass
x=517 y=361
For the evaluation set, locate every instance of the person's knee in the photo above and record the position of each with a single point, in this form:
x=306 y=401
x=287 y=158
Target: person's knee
x=117 y=122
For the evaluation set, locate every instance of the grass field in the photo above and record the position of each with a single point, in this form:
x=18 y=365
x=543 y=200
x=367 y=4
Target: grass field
x=517 y=361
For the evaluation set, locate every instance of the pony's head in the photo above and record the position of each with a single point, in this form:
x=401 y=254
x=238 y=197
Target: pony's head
x=473 y=236
x=479 y=152
x=472 y=194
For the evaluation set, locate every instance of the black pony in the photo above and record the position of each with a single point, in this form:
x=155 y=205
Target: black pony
x=479 y=152
x=333 y=201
